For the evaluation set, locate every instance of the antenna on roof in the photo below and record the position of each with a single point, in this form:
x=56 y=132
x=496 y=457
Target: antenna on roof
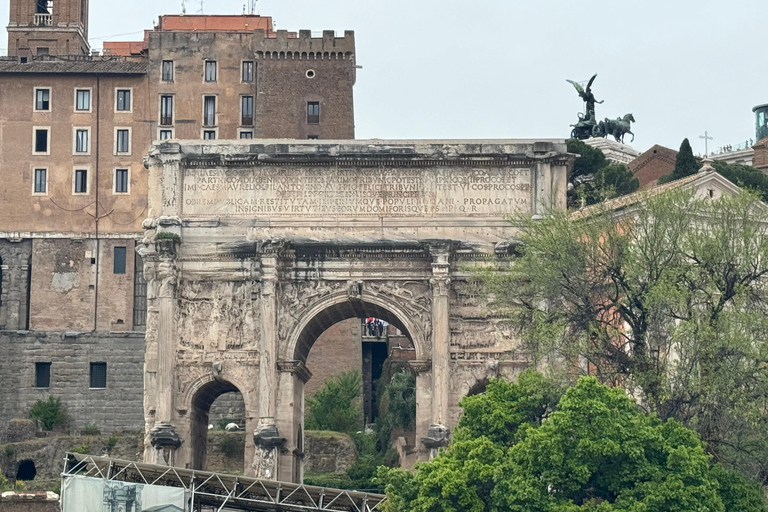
x=253 y=6
x=183 y=6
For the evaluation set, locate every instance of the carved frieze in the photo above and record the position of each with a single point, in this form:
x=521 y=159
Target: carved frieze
x=215 y=315
x=413 y=296
x=297 y=296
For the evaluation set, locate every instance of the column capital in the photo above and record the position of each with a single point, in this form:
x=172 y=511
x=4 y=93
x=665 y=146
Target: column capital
x=297 y=368
x=440 y=285
x=422 y=366
x=167 y=274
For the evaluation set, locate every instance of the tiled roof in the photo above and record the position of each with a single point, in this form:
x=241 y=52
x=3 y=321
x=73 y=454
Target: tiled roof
x=126 y=48
x=656 y=151
x=98 y=66
x=636 y=197
x=223 y=23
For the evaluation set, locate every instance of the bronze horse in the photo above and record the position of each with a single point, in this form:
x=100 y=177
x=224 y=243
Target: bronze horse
x=618 y=128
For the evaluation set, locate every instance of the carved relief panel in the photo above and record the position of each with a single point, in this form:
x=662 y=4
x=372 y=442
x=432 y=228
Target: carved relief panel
x=218 y=315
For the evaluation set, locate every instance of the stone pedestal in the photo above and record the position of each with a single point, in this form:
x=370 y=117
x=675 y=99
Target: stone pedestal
x=614 y=151
x=268 y=444
x=165 y=442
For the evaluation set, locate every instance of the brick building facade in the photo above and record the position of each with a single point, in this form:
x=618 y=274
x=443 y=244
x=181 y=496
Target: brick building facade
x=74 y=129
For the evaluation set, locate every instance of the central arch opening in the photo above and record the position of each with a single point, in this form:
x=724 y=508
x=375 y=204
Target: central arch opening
x=375 y=344
x=215 y=406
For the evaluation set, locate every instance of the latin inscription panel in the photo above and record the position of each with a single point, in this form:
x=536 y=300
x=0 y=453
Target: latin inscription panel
x=350 y=192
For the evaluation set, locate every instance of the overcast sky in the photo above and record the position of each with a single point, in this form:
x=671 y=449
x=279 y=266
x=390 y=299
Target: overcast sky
x=497 y=68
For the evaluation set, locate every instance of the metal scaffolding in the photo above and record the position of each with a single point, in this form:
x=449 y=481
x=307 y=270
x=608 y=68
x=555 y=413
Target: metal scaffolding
x=220 y=492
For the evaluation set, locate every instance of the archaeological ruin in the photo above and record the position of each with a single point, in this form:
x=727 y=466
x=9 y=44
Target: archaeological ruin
x=252 y=249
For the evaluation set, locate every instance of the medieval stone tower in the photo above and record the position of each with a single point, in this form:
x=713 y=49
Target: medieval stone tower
x=48 y=27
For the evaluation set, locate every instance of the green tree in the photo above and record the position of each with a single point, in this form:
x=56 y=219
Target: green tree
x=336 y=406
x=744 y=176
x=597 y=451
x=658 y=302
x=594 y=179
x=49 y=412
x=396 y=390
x=685 y=164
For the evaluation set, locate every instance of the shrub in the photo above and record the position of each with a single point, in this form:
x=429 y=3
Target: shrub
x=91 y=429
x=112 y=442
x=83 y=449
x=167 y=235
x=231 y=446
x=49 y=412
x=336 y=406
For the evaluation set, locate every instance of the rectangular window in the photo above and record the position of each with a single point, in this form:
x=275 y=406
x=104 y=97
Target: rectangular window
x=123 y=100
x=119 y=263
x=122 y=140
x=313 y=112
x=166 y=134
x=41 y=140
x=166 y=110
x=43 y=99
x=83 y=100
x=247 y=108
x=42 y=375
x=81 y=181
x=139 y=294
x=209 y=111
x=167 y=71
x=210 y=71
x=209 y=134
x=81 y=141
x=98 y=375
x=246 y=134
x=41 y=181
x=248 y=71
x=121 y=181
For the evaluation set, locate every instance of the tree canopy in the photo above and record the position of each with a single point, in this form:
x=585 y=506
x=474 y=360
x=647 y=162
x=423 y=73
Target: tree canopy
x=520 y=448
x=667 y=300
x=594 y=178
x=337 y=405
x=685 y=164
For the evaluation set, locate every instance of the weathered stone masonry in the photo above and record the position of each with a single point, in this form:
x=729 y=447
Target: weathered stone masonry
x=251 y=251
x=118 y=407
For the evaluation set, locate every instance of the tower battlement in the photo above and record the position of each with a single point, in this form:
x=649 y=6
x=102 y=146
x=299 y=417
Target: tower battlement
x=285 y=45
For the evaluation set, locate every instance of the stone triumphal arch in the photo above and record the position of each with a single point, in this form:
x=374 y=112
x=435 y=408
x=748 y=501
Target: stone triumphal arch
x=252 y=250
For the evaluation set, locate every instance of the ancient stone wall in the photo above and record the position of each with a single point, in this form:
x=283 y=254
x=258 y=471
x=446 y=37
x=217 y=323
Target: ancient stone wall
x=328 y=452
x=14 y=284
x=117 y=407
x=337 y=350
x=29 y=502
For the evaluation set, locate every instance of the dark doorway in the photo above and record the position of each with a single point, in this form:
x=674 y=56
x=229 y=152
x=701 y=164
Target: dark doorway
x=374 y=355
x=26 y=470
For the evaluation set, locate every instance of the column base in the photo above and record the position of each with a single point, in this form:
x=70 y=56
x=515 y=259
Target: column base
x=268 y=444
x=164 y=437
x=438 y=436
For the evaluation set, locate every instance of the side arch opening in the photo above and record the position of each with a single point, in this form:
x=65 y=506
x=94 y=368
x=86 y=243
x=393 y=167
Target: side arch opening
x=201 y=416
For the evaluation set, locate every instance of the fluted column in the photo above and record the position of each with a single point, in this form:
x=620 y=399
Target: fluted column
x=266 y=437
x=439 y=434
x=163 y=436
